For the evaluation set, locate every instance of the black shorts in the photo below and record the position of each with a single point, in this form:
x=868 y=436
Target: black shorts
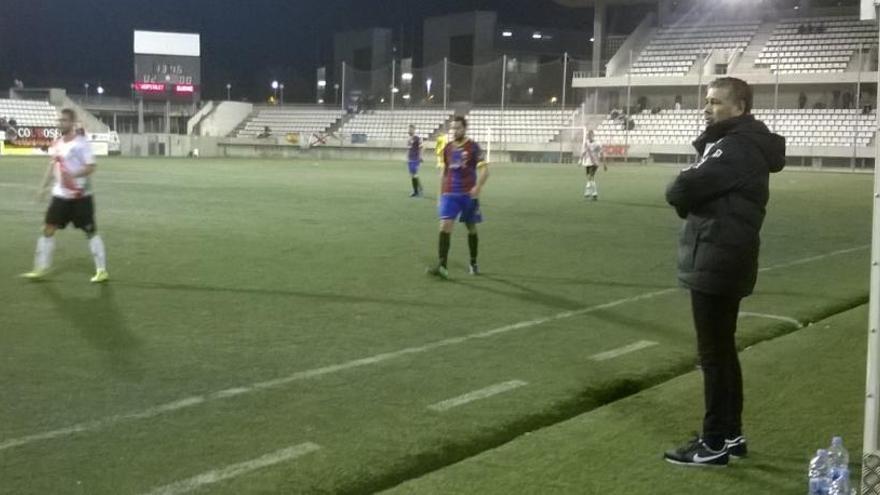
x=592 y=169
x=80 y=212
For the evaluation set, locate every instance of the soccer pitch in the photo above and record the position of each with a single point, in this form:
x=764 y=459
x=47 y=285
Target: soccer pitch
x=269 y=327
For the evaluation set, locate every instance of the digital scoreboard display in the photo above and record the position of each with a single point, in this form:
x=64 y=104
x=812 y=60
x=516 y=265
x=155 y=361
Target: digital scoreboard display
x=167 y=65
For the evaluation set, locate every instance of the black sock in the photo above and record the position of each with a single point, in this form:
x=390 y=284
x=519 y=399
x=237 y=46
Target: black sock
x=444 y=248
x=473 y=244
x=415 y=184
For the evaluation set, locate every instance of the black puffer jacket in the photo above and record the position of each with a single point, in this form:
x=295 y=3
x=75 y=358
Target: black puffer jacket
x=722 y=199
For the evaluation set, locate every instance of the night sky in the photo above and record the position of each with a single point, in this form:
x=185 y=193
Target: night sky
x=246 y=42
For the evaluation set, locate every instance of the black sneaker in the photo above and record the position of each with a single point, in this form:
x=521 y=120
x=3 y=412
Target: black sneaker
x=737 y=447
x=697 y=453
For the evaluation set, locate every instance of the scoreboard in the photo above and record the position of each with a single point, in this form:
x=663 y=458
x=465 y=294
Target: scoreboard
x=167 y=66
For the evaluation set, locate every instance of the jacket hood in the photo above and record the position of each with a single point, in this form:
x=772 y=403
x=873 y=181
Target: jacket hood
x=771 y=146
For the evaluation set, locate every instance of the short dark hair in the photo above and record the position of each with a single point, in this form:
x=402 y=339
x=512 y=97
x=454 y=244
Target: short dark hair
x=460 y=119
x=739 y=91
x=70 y=113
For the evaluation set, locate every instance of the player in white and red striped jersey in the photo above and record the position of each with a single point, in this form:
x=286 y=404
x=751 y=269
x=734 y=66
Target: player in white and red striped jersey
x=70 y=171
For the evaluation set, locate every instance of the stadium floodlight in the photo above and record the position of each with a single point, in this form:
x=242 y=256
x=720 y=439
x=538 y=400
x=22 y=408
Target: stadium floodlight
x=553 y=100
x=406 y=76
x=428 y=83
x=274 y=84
x=100 y=89
x=320 y=101
x=507 y=34
x=322 y=84
x=395 y=90
x=537 y=35
x=592 y=40
x=406 y=96
x=228 y=91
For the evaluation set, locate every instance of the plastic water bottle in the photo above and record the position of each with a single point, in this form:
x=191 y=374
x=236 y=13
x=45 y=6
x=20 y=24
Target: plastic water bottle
x=820 y=473
x=840 y=484
x=838 y=455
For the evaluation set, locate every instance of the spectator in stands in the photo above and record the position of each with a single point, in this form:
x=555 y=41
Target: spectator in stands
x=267 y=132
x=847 y=100
x=722 y=199
x=677 y=104
x=801 y=29
x=802 y=100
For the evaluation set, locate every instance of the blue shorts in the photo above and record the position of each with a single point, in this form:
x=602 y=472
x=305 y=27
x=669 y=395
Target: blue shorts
x=460 y=206
x=414 y=166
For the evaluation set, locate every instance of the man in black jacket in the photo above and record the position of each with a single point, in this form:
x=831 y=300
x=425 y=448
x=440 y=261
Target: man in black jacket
x=722 y=198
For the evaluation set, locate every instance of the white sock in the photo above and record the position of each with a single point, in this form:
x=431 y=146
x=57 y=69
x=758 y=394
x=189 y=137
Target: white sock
x=96 y=245
x=594 y=188
x=43 y=255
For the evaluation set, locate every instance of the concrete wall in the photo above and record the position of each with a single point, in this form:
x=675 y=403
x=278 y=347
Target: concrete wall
x=225 y=118
x=174 y=145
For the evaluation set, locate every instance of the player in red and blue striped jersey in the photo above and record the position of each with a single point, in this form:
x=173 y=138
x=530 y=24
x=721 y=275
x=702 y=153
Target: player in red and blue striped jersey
x=414 y=160
x=465 y=172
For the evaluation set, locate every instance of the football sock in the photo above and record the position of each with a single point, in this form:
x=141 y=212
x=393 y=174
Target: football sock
x=96 y=246
x=43 y=256
x=444 y=248
x=473 y=245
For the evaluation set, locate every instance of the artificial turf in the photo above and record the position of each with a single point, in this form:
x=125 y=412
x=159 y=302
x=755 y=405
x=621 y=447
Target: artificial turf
x=800 y=389
x=231 y=273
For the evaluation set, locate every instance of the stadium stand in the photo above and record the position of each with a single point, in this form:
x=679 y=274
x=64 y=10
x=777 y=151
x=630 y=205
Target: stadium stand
x=290 y=119
x=394 y=125
x=808 y=127
x=816 y=44
x=29 y=113
x=673 y=50
x=518 y=126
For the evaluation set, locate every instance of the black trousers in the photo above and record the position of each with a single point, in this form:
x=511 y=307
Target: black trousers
x=715 y=320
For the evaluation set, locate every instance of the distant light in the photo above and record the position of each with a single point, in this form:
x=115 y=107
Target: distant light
x=406 y=96
x=592 y=40
x=100 y=90
x=537 y=35
x=507 y=34
x=796 y=7
x=395 y=90
x=321 y=101
x=336 y=86
x=274 y=84
x=228 y=85
x=428 y=83
x=382 y=100
x=531 y=91
x=281 y=85
x=167 y=78
x=322 y=84
x=407 y=76
x=553 y=100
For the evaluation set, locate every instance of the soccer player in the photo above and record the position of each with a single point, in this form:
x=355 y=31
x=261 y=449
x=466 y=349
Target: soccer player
x=71 y=167
x=414 y=157
x=590 y=160
x=465 y=172
x=440 y=146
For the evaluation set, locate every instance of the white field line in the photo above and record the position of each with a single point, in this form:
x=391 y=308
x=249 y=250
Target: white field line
x=108 y=421
x=234 y=470
x=786 y=319
x=483 y=393
x=621 y=351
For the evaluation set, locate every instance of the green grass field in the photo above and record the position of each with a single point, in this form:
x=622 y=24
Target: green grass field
x=269 y=324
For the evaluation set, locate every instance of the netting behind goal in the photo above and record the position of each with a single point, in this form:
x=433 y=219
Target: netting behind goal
x=566 y=142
